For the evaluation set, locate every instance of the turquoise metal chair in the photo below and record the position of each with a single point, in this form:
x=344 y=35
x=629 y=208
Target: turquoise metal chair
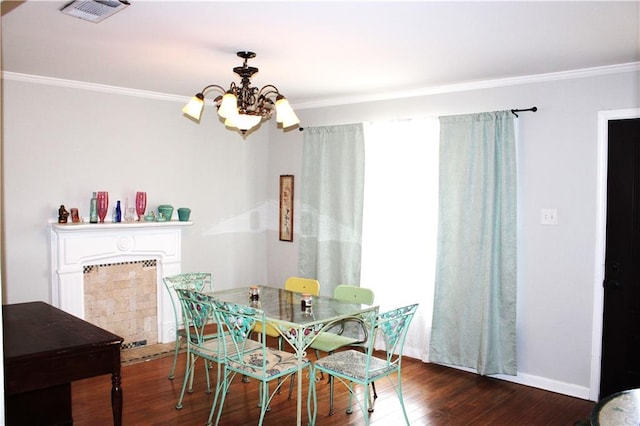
x=298 y=285
x=198 y=281
x=264 y=364
x=198 y=311
x=348 y=333
x=353 y=366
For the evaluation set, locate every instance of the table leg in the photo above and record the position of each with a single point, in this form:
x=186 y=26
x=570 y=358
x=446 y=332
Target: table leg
x=299 y=339
x=116 y=398
x=299 y=406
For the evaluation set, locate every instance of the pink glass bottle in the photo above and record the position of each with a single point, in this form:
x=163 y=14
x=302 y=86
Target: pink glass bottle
x=103 y=205
x=141 y=204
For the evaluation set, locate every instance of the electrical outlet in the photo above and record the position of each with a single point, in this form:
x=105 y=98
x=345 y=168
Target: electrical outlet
x=549 y=216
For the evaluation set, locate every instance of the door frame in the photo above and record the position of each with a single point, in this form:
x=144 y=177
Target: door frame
x=601 y=229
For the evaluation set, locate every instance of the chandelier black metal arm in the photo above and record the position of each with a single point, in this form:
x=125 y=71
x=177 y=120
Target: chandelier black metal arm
x=200 y=94
x=243 y=106
x=266 y=92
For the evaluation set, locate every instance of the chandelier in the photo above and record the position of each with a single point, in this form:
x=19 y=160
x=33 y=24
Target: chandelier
x=244 y=107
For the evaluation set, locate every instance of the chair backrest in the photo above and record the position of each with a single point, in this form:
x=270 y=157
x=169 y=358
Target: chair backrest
x=354 y=294
x=303 y=285
x=355 y=328
x=198 y=310
x=392 y=326
x=238 y=323
x=198 y=281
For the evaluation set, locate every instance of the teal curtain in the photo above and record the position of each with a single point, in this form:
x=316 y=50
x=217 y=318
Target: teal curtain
x=474 y=314
x=331 y=205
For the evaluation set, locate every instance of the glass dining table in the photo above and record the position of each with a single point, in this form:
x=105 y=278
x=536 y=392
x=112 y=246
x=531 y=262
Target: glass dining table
x=296 y=322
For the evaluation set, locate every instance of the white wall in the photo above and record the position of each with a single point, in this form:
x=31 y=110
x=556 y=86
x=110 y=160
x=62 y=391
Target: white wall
x=285 y=155
x=557 y=169
x=60 y=144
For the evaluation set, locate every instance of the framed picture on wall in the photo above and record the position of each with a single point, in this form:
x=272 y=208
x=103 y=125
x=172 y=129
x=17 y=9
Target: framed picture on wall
x=286 y=208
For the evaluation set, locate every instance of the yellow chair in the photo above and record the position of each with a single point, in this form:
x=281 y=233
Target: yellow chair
x=303 y=285
x=298 y=285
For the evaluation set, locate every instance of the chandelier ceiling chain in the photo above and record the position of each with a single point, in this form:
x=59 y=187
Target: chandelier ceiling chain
x=244 y=107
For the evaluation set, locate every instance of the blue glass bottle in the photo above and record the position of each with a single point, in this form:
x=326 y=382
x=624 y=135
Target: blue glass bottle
x=117 y=217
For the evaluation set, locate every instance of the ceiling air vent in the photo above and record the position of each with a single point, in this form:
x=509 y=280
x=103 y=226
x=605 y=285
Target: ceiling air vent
x=94 y=10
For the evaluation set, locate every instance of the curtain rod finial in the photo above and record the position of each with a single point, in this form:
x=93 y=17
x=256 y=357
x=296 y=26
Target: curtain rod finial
x=516 y=111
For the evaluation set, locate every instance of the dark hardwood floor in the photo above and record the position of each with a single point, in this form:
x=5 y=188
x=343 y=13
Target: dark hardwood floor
x=433 y=395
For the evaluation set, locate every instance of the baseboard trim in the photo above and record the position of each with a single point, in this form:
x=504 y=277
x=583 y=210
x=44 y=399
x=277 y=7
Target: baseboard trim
x=539 y=382
x=547 y=384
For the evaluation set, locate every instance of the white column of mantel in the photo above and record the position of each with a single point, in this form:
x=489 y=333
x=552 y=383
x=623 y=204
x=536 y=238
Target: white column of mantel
x=75 y=245
x=166 y=321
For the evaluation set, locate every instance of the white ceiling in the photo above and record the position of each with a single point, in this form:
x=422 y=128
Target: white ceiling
x=319 y=51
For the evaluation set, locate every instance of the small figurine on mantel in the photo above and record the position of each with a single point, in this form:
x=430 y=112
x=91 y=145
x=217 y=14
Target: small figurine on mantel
x=75 y=215
x=63 y=214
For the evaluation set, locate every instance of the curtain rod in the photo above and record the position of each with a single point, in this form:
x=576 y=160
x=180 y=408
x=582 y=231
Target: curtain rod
x=513 y=111
x=516 y=111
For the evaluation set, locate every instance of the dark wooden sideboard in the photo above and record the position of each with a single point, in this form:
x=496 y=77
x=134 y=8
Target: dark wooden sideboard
x=45 y=349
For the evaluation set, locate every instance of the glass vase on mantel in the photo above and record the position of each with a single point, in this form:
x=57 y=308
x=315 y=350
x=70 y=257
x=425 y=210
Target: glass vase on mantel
x=141 y=204
x=103 y=205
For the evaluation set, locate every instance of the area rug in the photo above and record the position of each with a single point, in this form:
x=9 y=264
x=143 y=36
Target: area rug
x=147 y=353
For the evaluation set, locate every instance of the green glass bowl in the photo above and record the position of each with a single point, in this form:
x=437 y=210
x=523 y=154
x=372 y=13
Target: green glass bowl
x=166 y=211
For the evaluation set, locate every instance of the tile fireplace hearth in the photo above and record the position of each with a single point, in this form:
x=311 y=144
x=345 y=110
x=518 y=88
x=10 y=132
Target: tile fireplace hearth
x=76 y=246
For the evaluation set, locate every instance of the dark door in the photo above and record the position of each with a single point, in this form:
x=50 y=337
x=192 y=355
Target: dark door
x=621 y=322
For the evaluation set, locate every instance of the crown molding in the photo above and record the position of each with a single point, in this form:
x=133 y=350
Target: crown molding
x=95 y=87
x=426 y=91
x=475 y=85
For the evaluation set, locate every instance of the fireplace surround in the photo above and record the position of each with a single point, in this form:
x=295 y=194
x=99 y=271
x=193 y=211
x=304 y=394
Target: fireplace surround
x=77 y=245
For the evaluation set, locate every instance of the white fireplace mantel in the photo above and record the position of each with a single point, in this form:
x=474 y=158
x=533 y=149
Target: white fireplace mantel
x=75 y=245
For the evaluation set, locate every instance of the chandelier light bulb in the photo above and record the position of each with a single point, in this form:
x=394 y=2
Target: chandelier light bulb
x=195 y=106
x=228 y=106
x=285 y=114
